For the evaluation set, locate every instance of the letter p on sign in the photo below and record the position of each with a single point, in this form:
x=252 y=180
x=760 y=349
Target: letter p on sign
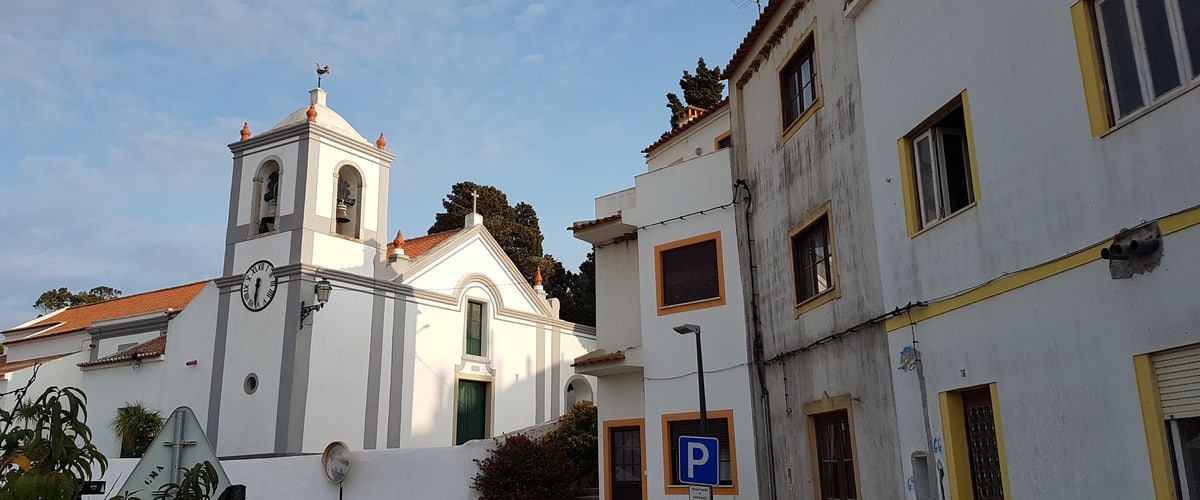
x=698 y=462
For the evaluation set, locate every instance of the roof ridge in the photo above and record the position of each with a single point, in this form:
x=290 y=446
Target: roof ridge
x=139 y=294
x=671 y=134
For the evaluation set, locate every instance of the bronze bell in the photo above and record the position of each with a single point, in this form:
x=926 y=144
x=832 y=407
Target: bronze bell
x=343 y=213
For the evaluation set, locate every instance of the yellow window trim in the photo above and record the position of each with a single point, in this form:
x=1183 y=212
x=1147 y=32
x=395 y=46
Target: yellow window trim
x=719 y=138
x=1152 y=419
x=1168 y=225
x=717 y=301
x=667 y=418
x=640 y=423
x=908 y=168
x=835 y=291
x=810 y=34
x=816 y=408
x=1095 y=93
x=954 y=434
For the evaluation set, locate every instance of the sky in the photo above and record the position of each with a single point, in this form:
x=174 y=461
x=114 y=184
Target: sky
x=115 y=116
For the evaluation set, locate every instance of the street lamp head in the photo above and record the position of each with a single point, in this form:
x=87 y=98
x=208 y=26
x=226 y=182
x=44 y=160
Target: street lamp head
x=322 y=289
x=687 y=328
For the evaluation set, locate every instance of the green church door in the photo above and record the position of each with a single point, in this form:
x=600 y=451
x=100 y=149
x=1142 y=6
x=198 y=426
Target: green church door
x=472 y=411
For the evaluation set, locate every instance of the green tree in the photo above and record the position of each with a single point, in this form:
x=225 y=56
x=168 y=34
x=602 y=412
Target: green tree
x=46 y=446
x=702 y=90
x=136 y=425
x=576 y=292
x=514 y=227
x=52 y=300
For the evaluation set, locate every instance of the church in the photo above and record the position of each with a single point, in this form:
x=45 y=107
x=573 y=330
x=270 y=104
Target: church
x=321 y=327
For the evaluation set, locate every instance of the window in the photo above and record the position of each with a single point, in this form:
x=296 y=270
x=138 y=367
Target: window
x=799 y=89
x=474 y=345
x=812 y=259
x=974 y=443
x=938 y=168
x=723 y=141
x=1148 y=49
x=835 y=456
x=690 y=274
x=471 y=418
x=720 y=426
x=1167 y=381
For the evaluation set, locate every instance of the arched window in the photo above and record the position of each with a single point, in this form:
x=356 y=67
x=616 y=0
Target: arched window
x=265 y=209
x=348 y=202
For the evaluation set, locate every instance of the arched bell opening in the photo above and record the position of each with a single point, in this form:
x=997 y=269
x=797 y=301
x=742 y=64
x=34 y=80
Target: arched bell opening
x=578 y=389
x=347 y=210
x=265 y=210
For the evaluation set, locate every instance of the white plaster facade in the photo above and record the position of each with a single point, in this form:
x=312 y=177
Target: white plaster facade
x=1018 y=300
x=376 y=367
x=646 y=370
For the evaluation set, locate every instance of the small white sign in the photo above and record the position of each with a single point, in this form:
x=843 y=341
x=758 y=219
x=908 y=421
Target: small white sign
x=699 y=492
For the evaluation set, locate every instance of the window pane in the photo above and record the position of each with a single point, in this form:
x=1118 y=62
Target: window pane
x=1120 y=56
x=927 y=183
x=958 y=172
x=1160 y=52
x=474 y=329
x=810 y=260
x=1190 y=13
x=1187 y=466
x=690 y=273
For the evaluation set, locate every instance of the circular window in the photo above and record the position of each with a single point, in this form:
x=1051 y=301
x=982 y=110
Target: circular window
x=251 y=383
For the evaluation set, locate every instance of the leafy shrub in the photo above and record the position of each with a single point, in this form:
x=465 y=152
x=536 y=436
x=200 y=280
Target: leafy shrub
x=520 y=468
x=576 y=434
x=46 y=446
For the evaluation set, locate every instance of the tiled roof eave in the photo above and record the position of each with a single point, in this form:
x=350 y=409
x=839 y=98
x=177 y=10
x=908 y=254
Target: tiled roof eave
x=685 y=127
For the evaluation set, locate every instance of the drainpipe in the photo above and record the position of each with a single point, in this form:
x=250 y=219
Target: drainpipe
x=765 y=396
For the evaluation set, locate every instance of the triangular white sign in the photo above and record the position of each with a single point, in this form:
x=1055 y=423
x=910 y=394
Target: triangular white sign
x=180 y=445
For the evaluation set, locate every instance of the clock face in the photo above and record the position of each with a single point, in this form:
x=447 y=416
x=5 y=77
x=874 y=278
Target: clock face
x=259 y=285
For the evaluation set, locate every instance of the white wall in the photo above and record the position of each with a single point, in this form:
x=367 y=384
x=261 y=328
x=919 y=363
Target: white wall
x=699 y=135
x=416 y=474
x=115 y=386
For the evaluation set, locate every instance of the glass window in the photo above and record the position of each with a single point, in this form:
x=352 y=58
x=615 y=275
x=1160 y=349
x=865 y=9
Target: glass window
x=812 y=258
x=474 y=329
x=1150 y=47
x=943 y=168
x=690 y=273
x=798 y=83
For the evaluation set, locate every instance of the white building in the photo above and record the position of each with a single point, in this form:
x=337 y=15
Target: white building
x=1008 y=142
x=666 y=256
x=425 y=342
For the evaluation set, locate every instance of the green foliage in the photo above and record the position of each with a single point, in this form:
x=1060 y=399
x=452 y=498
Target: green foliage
x=46 y=446
x=52 y=300
x=576 y=434
x=198 y=483
x=674 y=104
x=702 y=90
x=517 y=230
x=575 y=291
x=521 y=468
x=136 y=425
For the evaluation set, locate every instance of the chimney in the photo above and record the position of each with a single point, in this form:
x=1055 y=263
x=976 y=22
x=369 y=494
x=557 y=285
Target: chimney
x=472 y=219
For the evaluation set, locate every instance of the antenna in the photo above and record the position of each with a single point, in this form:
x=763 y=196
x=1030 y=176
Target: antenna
x=741 y=4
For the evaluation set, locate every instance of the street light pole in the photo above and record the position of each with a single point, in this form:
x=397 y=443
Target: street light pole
x=685 y=329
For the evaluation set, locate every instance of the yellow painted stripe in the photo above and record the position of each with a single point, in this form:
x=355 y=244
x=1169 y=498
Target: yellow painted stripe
x=1170 y=224
x=1089 y=67
x=1152 y=420
x=908 y=185
x=954 y=435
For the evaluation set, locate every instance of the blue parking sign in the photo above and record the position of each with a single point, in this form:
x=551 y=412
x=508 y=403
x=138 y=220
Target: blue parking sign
x=698 y=460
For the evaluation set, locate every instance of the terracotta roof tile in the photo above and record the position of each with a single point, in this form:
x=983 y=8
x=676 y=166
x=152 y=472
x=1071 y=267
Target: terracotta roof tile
x=584 y=224
x=669 y=135
x=755 y=31
x=148 y=349
x=417 y=246
x=585 y=360
x=6 y=367
x=77 y=318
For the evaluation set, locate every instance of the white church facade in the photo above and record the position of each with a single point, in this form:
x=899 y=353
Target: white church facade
x=321 y=328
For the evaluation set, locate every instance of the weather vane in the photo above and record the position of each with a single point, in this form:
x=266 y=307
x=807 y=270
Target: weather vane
x=322 y=72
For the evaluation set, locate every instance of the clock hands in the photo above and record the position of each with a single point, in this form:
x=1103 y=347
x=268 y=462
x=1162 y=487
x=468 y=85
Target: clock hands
x=257 y=284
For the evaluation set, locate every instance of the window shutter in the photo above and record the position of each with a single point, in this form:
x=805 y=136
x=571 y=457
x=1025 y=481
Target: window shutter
x=690 y=273
x=1178 y=376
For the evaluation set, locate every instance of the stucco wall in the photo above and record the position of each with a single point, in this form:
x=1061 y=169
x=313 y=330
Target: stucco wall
x=700 y=135
x=789 y=178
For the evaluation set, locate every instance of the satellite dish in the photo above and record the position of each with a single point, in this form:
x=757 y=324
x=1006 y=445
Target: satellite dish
x=336 y=462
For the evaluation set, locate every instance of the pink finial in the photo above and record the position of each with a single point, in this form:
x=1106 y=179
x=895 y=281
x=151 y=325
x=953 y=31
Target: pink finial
x=381 y=143
x=245 y=130
x=312 y=113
